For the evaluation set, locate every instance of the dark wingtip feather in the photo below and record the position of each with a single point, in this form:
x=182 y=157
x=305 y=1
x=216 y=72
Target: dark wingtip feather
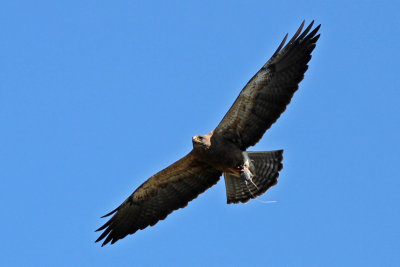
x=297 y=33
x=281 y=45
x=104 y=226
x=104 y=234
x=108 y=214
x=301 y=25
x=305 y=32
x=315 y=39
x=107 y=223
x=98 y=239
x=108 y=239
x=315 y=31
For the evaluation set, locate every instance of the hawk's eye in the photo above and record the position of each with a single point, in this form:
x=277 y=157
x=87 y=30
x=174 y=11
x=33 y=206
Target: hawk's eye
x=200 y=137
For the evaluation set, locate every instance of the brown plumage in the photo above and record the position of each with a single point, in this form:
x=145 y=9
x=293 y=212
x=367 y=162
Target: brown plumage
x=247 y=174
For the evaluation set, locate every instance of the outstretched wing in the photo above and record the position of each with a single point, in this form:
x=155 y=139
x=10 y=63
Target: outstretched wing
x=164 y=192
x=266 y=95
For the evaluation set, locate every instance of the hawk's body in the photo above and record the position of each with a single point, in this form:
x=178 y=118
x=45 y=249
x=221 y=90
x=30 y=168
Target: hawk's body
x=247 y=174
x=217 y=151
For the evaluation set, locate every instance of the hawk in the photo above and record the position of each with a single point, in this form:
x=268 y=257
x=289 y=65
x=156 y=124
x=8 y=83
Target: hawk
x=223 y=151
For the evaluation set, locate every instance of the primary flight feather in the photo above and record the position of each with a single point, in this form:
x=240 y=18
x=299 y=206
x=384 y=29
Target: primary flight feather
x=247 y=174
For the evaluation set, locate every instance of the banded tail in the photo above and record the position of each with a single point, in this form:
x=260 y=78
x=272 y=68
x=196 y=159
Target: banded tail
x=264 y=166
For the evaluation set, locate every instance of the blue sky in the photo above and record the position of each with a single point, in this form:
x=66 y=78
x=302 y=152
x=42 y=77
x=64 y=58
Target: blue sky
x=95 y=97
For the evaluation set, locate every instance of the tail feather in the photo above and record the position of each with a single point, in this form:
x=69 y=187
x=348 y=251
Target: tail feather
x=266 y=167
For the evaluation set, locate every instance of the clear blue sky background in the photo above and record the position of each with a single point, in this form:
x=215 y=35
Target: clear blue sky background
x=95 y=97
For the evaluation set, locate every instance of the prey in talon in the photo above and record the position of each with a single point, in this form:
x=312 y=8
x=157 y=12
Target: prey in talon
x=247 y=170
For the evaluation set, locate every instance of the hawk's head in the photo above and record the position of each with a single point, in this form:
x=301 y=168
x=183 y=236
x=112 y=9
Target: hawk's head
x=201 y=141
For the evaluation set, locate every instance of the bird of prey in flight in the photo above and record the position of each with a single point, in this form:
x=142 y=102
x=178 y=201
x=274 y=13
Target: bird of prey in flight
x=223 y=151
